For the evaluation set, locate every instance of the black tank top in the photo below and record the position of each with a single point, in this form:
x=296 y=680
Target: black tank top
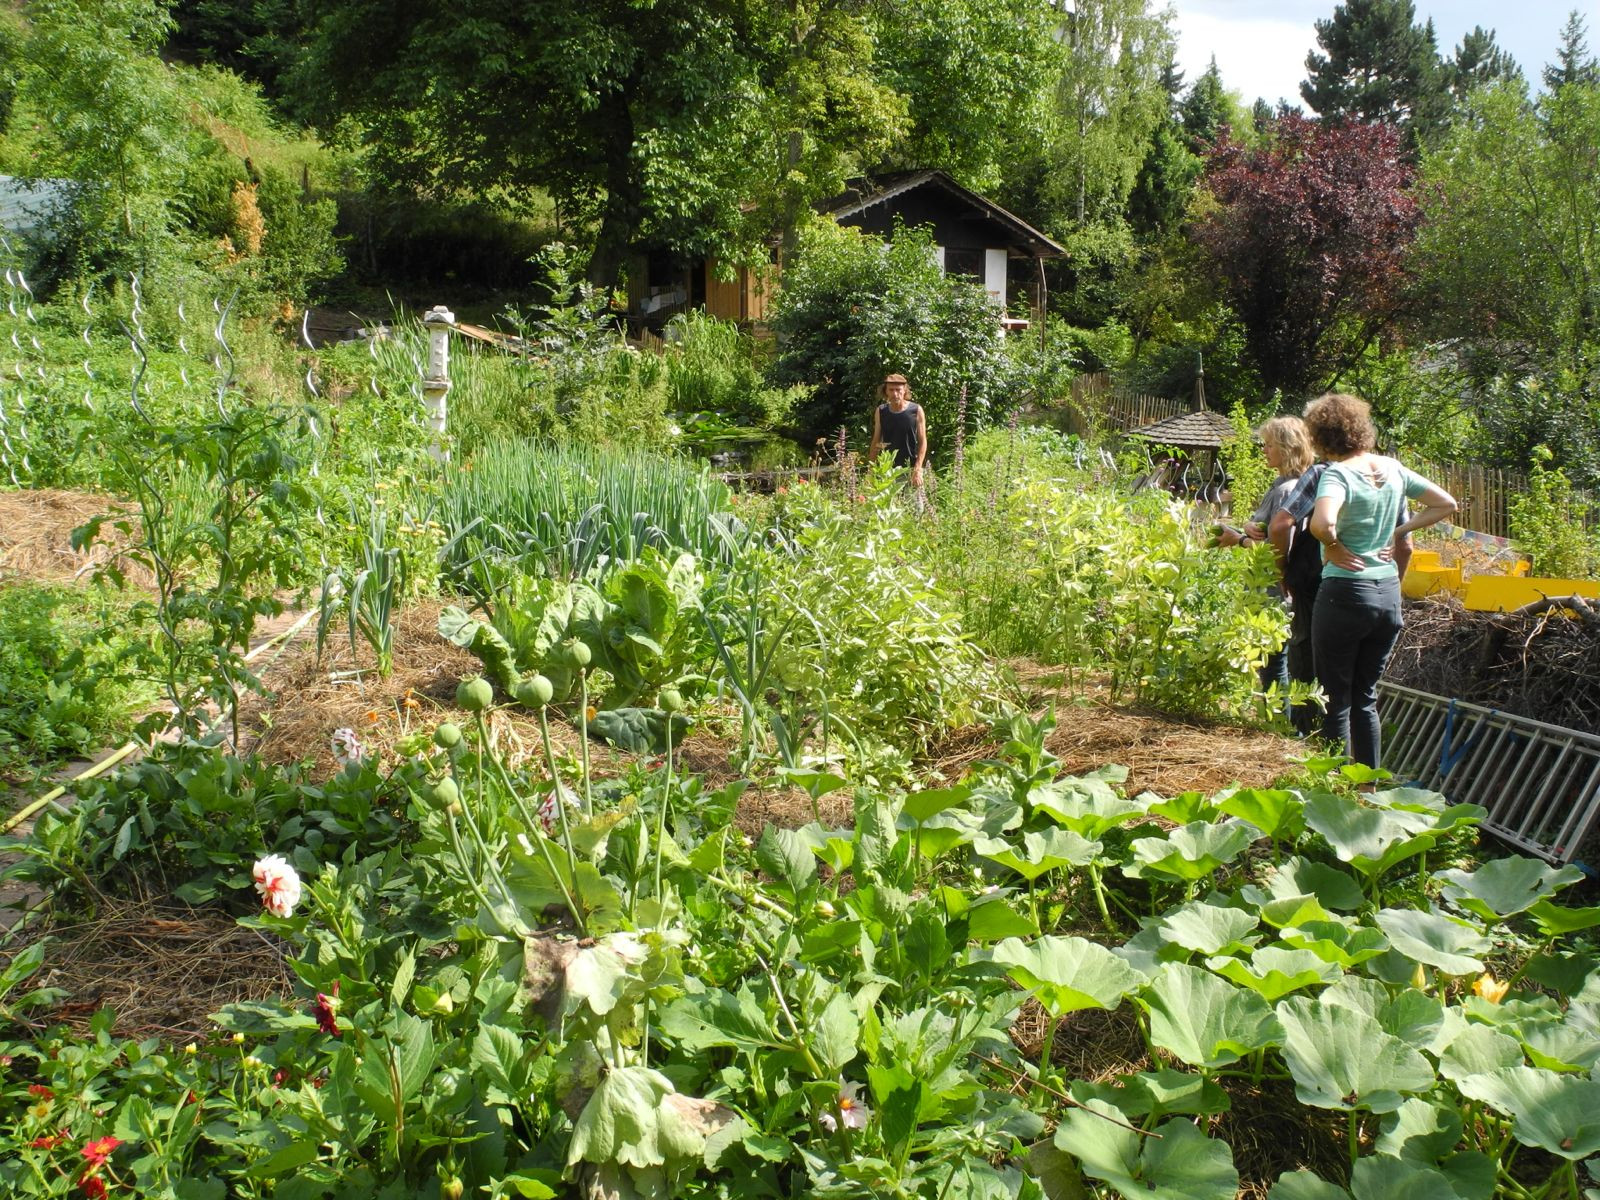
x=898 y=432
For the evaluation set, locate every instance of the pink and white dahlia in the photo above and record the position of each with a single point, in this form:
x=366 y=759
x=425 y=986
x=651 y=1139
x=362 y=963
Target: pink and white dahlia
x=278 y=884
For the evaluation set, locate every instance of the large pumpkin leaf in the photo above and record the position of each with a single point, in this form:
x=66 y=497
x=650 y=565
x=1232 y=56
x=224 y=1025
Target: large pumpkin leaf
x=1206 y=928
x=1068 y=973
x=1041 y=851
x=1303 y=1185
x=1273 y=971
x=1341 y=1058
x=1088 y=808
x=1558 y=1113
x=1479 y=1050
x=1205 y=1021
x=1364 y=836
x=1345 y=944
x=1434 y=940
x=1190 y=852
x=1556 y=919
x=1276 y=813
x=1333 y=888
x=1164 y=1092
x=1179 y=1164
x=1503 y=886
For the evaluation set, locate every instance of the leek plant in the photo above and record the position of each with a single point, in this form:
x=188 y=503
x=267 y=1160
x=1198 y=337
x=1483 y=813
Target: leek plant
x=569 y=511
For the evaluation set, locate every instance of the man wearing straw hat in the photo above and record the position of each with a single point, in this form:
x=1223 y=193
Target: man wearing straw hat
x=900 y=426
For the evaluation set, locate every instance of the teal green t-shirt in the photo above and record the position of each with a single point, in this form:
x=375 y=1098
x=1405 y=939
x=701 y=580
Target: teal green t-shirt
x=1369 y=509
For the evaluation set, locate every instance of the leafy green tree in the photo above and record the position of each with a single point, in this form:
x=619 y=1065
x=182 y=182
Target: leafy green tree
x=1509 y=267
x=1574 y=63
x=116 y=118
x=1377 y=64
x=1477 y=62
x=854 y=308
x=694 y=125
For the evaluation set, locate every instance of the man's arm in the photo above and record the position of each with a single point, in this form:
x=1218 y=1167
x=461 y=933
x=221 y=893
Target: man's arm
x=922 y=445
x=877 y=437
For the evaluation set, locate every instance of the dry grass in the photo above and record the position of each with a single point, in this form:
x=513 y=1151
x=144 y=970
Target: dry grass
x=162 y=967
x=36 y=536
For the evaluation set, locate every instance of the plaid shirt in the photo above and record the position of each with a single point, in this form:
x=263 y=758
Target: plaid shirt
x=1302 y=498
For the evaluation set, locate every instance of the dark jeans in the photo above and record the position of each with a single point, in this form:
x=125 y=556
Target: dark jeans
x=1301 y=660
x=1354 y=629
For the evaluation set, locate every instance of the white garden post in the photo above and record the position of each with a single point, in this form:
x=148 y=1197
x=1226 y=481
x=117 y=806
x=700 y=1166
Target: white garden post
x=438 y=321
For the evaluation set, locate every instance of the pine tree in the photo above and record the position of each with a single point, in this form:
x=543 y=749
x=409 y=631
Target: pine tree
x=1205 y=110
x=1574 y=63
x=1378 y=64
x=1479 y=61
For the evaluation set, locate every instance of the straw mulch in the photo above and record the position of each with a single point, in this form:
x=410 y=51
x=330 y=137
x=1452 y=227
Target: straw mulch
x=1163 y=754
x=36 y=536
x=1545 y=666
x=161 y=966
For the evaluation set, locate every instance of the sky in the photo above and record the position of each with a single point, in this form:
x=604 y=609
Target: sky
x=1261 y=45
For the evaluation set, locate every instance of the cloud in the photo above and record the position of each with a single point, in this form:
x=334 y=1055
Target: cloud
x=1258 y=56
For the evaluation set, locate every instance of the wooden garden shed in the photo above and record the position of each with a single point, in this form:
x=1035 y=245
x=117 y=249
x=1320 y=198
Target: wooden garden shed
x=973 y=236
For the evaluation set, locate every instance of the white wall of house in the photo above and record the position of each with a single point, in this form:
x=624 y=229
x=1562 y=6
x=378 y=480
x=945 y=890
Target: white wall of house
x=994 y=275
x=938 y=256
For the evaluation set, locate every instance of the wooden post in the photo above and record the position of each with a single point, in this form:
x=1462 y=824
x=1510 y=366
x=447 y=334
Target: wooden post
x=438 y=321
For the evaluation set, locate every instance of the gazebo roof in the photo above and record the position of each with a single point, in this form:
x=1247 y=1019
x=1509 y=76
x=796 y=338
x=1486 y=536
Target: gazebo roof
x=1197 y=429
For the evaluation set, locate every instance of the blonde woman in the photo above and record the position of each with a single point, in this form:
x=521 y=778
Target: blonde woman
x=1287 y=447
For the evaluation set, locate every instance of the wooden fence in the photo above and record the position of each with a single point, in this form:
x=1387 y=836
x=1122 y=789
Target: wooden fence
x=1098 y=406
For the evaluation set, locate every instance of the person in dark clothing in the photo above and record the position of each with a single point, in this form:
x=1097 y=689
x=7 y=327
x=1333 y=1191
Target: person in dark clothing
x=900 y=426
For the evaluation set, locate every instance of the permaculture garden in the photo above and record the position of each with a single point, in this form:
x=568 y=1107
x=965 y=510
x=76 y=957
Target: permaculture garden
x=529 y=805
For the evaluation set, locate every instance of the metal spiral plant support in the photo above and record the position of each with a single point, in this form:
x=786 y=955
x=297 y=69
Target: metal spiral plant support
x=219 y=335
x=88 y=369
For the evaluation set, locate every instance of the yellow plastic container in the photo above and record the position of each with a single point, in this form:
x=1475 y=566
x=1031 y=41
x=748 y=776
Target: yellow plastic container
x=1425 y=580
x=1502 y=593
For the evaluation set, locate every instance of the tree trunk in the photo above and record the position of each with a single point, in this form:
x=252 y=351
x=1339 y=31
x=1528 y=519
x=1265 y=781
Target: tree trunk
x=624 y=203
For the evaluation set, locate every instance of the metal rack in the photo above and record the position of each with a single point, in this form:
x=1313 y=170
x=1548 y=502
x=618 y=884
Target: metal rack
x=1540 y=783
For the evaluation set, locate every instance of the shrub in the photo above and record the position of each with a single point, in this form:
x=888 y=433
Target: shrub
x=56 y=697
x=854 y=308
x=1547 y=524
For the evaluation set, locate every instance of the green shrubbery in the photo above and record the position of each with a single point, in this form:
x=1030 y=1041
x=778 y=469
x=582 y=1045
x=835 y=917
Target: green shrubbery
x=854 y=308
x=58 y=694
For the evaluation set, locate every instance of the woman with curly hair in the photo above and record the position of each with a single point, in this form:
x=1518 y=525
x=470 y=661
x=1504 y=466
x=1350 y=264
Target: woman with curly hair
x=1360 y=500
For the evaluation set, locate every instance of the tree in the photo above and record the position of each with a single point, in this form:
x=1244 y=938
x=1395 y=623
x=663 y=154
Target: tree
x=117 y=118
x=691 y=125
x=1377 y=64
x=1308 y=236
x=1574 y=63
x=1509 y=266
x=1477 y=62
x=1206 y=109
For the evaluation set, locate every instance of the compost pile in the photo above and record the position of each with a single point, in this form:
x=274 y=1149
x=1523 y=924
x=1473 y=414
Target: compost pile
x=1541 y=661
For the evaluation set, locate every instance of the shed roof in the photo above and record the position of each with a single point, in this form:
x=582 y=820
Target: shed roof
x=1200 y=428
x=867 y=191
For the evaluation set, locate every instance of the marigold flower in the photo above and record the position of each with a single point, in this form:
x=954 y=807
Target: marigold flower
x=97 y=1151
x=373 y=717
x=1491 y=989
x=278 y=885
x=42 y=1092
x=49 y=1141
x=590 y=713
x=92 y=1186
